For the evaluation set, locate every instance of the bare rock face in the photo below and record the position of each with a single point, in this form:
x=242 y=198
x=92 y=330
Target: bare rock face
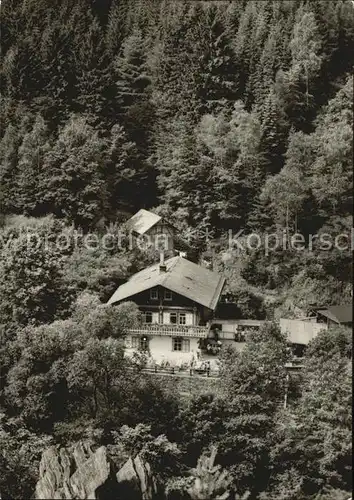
x=93 y=477
x=79 y=472
x=136 y=481
x=75 y=472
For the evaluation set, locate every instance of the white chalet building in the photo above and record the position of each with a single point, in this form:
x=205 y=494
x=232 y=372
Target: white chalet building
x=177 y=299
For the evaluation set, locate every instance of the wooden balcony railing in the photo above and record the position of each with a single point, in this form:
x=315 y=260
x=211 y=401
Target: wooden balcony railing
x=171 y=330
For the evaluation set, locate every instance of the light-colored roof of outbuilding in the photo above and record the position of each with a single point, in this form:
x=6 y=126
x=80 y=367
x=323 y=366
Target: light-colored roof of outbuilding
x=181 y=276
x=142 y=221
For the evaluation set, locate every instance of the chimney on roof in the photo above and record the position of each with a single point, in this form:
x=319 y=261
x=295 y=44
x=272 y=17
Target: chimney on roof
x=162 y=266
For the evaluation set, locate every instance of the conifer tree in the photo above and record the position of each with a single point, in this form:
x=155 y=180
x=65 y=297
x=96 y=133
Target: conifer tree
x=251 y=36
x=275 y=129
x=59 y=67
x=117 y=27
x=32 y=152
x=8 y=167
x=123 y=176
x=9 y=158
x=95 y=87
x=259 y=217
x=176 y=161
x=132 y=72
x=175 y=64
x=75 y=186
x=265 y=70
x=216 y=80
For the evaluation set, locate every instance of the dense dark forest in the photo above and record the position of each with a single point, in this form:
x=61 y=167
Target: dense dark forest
x=221 y=115
x=225 y=115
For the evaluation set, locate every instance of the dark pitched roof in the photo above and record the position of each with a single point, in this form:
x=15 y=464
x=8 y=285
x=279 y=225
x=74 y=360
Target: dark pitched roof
x=339 y=314
x=142 y=221
x=181 y=276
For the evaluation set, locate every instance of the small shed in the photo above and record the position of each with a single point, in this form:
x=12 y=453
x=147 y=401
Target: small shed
x=148 y=228
x=340 y=315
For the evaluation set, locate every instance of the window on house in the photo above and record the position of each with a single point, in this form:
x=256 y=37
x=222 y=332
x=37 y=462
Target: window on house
x=144 y=344
x=154 y=294
x=173 y=318
x=168 y=295
x=147 y=317
x=135 y=342
x=182 y=318
x=180 y=344
x=140 y=343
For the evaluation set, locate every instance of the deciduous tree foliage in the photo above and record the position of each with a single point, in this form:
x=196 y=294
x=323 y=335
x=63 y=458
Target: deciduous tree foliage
x=316 y=445
x=254 y=383
x=33 y=288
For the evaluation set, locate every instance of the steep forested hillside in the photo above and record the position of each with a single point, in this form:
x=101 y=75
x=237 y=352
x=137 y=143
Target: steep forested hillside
x=226 y=115
x=223 y=116
x=204 y=106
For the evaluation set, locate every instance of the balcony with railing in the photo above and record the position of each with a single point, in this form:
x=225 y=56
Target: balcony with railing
x=171 y=330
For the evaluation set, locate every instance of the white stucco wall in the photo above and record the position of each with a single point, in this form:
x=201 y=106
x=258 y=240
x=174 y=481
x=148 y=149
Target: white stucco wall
x=300 y=332
x=161 y=350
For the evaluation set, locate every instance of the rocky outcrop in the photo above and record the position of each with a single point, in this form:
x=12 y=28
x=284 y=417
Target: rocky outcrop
x=79 y=472
x=136 y=480
x=76 y=472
